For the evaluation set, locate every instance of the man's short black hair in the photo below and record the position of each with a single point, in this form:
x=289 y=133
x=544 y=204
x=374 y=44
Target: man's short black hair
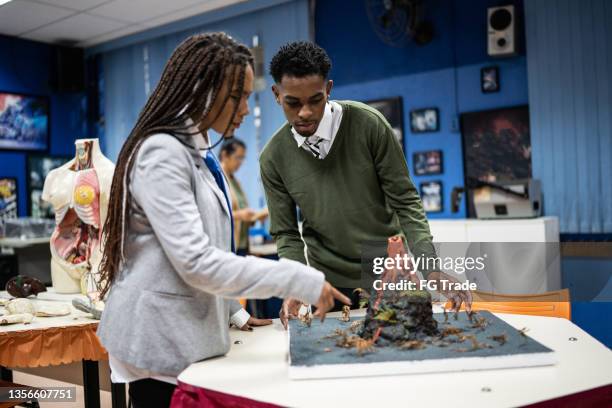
x=300 y=59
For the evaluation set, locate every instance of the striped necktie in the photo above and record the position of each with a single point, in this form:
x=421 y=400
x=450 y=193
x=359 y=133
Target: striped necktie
x=314 y=147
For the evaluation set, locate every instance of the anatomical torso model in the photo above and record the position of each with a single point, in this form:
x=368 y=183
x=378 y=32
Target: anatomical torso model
x=79 y=192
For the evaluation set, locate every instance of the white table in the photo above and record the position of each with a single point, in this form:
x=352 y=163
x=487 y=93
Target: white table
x=541 y=229
x=257 y=369
x=536 y=270
x=76 y=318
x=23 y=243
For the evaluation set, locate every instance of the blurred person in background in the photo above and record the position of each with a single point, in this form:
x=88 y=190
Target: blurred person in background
x=232 y=154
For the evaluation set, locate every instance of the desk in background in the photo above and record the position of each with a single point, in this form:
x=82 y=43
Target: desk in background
x=33 y=258
x=52 y=341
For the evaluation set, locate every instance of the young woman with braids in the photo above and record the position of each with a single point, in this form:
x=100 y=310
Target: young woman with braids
x=170 y=276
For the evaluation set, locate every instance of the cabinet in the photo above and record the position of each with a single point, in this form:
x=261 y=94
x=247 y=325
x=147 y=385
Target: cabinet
x=522 y=255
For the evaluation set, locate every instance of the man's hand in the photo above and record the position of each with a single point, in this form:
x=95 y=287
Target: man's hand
x=254 y=322
x=290 y=309
x=456 y=297
x=326 y=300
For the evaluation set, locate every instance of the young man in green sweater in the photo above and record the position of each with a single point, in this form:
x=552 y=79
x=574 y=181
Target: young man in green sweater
x=341 y=164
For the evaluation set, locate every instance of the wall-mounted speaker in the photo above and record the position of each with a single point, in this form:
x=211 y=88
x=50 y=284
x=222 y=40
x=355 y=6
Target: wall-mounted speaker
x=501 y=31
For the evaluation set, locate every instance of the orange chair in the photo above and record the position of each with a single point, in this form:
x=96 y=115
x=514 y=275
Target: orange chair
x=552 y=304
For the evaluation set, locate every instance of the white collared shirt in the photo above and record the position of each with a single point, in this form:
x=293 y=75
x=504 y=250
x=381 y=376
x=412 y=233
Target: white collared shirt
x=327 y=130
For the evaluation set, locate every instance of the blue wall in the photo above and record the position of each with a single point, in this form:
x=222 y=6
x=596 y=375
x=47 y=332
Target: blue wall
x=25 y=69
x=569 y=53
x=279 y=22
x=444 y=73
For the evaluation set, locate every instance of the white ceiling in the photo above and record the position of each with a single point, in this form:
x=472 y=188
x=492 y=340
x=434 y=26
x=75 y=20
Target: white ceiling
x=85 y=23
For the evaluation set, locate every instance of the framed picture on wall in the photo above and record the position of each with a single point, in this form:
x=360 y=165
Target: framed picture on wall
x=496 y=147
x=424 y=120
x=39 y=167
x=392 y=110
x=431 y=196
x=429 y=162
x=496 y=144
x=489 y=79
x=8 y=199
x=24 y=122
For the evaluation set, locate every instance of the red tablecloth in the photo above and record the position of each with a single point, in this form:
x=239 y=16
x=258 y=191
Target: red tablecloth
x=595 y=398
x=188 y=396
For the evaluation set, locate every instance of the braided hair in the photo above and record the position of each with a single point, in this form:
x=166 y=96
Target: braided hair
x=189 y=85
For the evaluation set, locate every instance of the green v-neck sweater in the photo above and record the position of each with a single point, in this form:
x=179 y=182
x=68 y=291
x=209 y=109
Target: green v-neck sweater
x=361 y=191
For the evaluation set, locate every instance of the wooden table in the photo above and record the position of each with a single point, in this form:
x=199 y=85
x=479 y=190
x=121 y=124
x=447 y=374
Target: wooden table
x=58 y=340
x=257 y=370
